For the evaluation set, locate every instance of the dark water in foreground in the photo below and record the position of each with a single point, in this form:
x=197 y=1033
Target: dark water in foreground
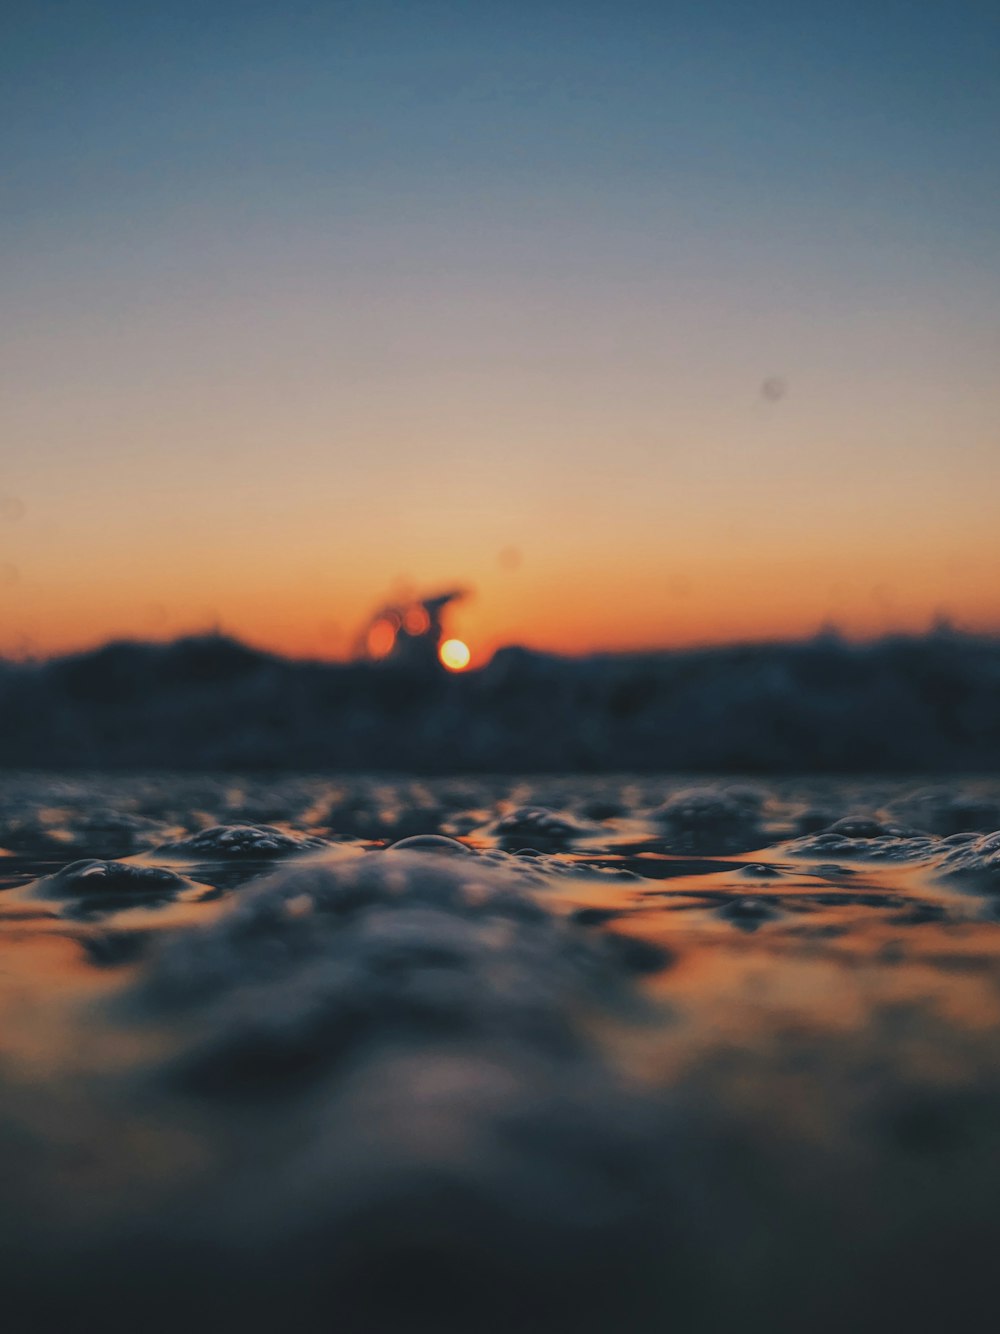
x=605 y=1054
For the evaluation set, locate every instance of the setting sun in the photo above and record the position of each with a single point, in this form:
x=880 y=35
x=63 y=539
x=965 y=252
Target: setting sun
x=454 y=655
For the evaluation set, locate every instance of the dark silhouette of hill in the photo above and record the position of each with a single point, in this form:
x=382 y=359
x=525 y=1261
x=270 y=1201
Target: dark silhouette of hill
x=900 y=704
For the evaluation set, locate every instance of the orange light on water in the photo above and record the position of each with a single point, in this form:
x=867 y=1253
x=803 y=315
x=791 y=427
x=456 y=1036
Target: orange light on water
x=454 y=655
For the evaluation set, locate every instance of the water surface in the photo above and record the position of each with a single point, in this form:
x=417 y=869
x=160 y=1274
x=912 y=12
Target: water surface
x=590 y=1054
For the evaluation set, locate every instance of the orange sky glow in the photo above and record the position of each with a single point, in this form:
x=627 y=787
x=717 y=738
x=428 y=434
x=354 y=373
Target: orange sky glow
x=645 y=347
x=573 y=601
x=635 y=503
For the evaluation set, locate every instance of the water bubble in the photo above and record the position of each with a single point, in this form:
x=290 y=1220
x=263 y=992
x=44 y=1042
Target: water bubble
x=93 y=878
x=436 y=843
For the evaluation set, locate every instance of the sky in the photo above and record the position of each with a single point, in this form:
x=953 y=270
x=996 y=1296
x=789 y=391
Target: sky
x=652 y=323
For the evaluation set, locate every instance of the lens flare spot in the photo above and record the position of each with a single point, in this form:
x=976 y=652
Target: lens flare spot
x=454 y=655
x=416 y=621
x=381 y=638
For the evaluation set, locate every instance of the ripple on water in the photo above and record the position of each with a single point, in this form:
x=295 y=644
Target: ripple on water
x=973 y=861
x=239 y=842
x=537 y=827
x=865 y=839
x=712 y=820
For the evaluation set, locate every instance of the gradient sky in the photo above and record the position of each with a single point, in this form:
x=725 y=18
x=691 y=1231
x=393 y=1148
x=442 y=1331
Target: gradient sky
x=655 y=323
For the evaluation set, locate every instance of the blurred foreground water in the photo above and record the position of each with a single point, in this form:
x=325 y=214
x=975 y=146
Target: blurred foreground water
x=615 y=1054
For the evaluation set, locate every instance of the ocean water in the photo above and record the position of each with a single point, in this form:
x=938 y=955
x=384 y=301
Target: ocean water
x=602 y=1054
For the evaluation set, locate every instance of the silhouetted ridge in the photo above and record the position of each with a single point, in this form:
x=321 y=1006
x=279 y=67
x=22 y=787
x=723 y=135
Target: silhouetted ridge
x=898 y=704
x=131 y=667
